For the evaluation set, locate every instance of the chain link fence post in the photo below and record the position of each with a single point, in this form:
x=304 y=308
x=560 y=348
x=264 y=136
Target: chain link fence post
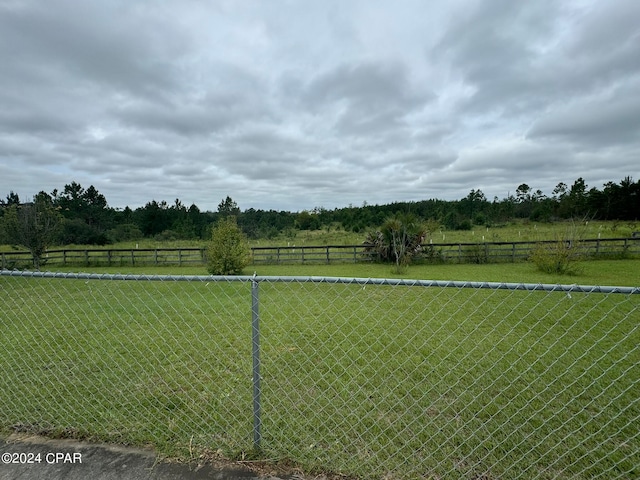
x=255 y=353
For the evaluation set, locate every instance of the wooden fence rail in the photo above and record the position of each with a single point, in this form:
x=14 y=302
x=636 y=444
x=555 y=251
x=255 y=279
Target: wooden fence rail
x=490 y=252
x=110 y=257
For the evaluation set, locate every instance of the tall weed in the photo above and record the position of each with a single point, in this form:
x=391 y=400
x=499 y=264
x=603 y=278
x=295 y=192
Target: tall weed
x=563 y=255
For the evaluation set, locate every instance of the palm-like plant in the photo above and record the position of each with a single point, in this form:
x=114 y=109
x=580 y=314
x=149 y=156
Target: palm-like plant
x=398 y=240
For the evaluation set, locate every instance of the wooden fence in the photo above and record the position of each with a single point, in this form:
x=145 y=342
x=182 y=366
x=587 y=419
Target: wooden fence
x=311 y=254
x=110 y=257
x=497 y=252
x=493 y=252
x=489 y=252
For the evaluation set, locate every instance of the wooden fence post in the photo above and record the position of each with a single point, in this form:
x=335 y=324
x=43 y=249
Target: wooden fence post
x=324 y=254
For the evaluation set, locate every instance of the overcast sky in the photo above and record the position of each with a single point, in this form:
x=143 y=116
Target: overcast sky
x=291 y=105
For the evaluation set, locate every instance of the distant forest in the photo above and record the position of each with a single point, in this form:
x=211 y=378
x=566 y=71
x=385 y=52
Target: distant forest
x=88 y=219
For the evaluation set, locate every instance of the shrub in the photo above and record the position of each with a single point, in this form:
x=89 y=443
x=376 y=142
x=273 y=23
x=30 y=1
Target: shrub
x=476 y=254
x=166 y=236
x=34 y=225
x=125 y=232
x=399 y=240
x=80 y=232
x=560 y=258
x=228 y=253
x=429 y=254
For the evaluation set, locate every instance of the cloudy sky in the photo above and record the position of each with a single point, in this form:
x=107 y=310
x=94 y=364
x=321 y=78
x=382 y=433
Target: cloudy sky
x=300 y=104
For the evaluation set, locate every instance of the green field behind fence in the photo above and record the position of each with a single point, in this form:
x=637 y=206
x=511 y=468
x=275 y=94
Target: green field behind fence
x=508 y=242
x=500 y=252
x=369 y=381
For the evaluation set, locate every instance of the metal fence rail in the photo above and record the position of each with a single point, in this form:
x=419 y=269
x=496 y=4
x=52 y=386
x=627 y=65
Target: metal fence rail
x=370 y=378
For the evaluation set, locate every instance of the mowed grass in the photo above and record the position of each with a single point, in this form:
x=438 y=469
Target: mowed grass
x=366 y=381
x=448 y=383
x=133 y=363
x=592 y=272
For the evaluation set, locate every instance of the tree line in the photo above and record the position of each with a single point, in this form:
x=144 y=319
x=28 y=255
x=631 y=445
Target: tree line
x=79 y=215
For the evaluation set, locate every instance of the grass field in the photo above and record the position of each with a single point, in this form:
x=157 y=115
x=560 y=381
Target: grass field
x=458 y=384
x=511 y=232
x=593 y=272
x=373 y=382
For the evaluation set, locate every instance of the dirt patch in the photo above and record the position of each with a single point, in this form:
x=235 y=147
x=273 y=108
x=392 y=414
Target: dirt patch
x=108 y=461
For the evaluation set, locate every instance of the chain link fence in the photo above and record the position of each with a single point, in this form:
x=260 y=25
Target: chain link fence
x=358 y=377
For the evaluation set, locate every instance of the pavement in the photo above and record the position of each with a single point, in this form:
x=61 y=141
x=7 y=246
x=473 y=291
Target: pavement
x=36 y=458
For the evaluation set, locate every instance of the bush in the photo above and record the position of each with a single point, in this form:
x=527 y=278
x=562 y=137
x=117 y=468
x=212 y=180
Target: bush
x=166 y=236
x=228 y=253
x=399 y=240
x=560 y=257
x=480 y=219
x=430 y=255
x=77 y=231
x=476 y=254
x=464 y=225
x=125 y=232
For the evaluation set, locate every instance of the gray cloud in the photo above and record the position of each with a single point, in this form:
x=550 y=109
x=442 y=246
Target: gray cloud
x=296 y=105
x=371 y=94
x=593 y=124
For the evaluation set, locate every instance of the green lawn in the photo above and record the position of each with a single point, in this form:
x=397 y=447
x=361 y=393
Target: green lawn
x=453 y=383
x=366 y=381
x=594 y=272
